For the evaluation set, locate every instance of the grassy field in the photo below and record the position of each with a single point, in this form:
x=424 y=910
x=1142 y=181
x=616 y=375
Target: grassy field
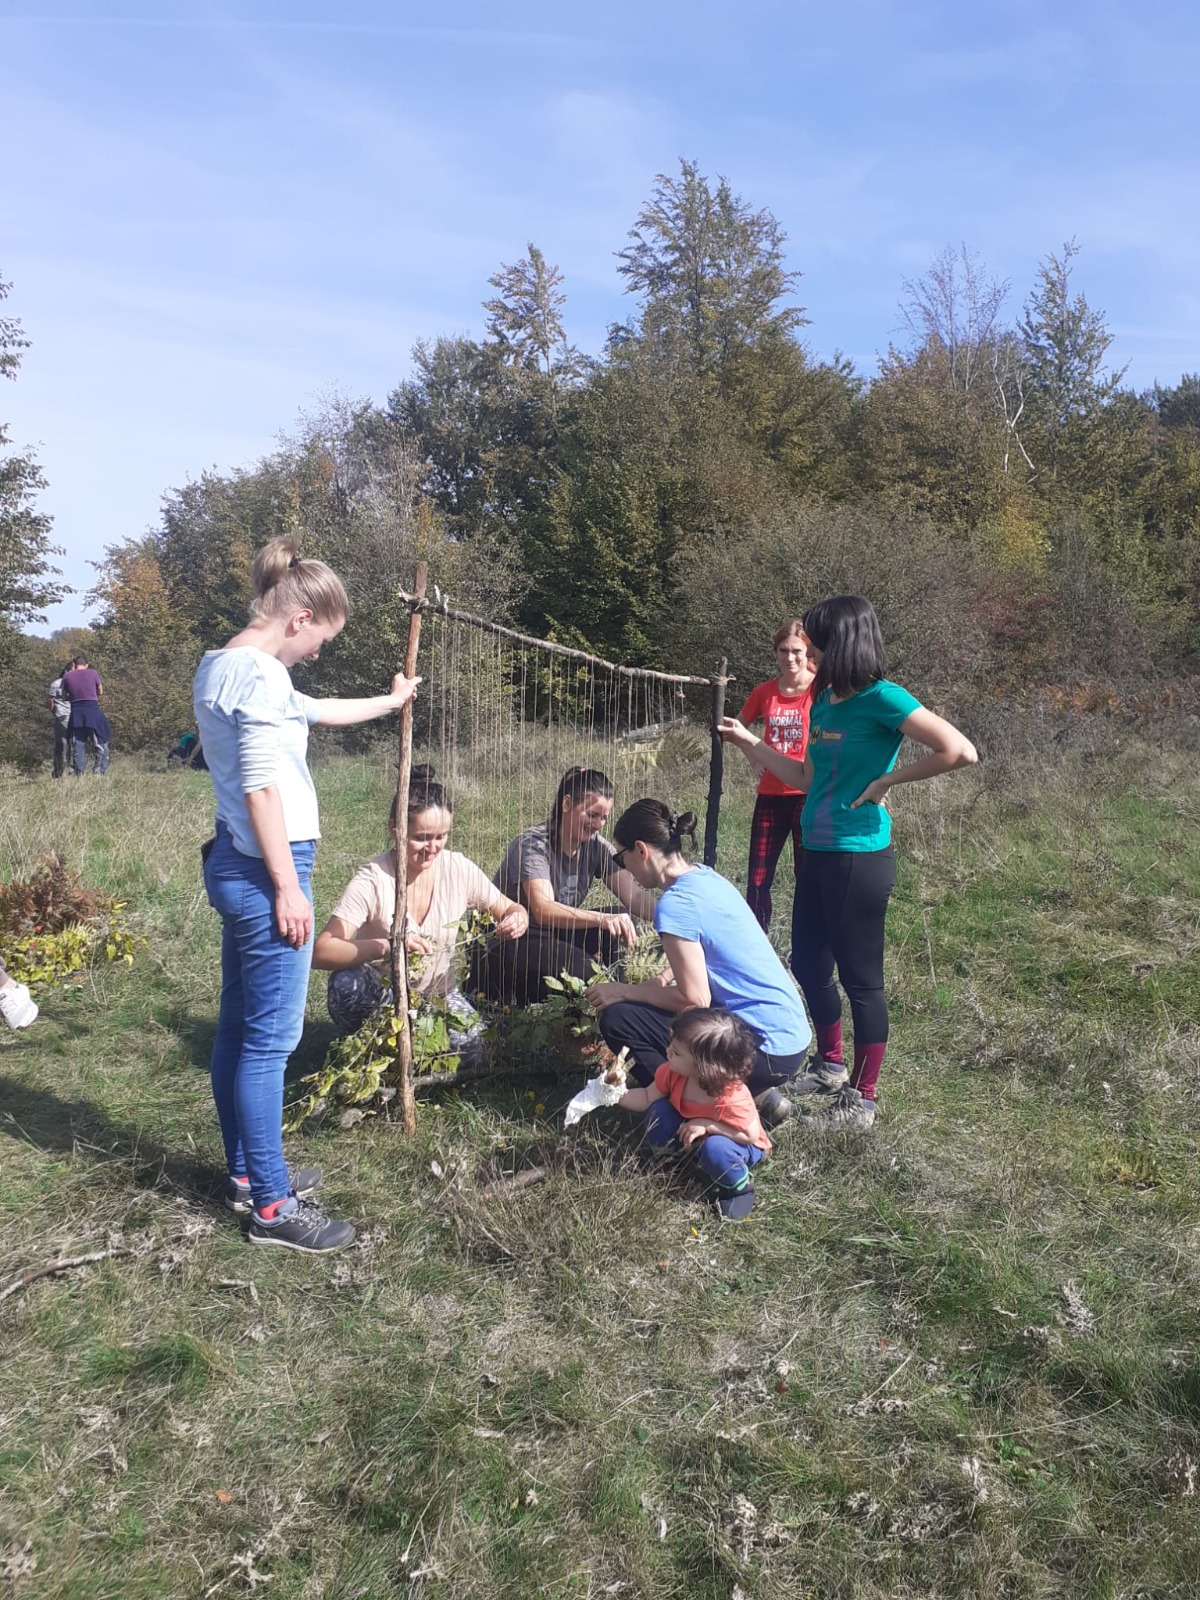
x=957 y=1357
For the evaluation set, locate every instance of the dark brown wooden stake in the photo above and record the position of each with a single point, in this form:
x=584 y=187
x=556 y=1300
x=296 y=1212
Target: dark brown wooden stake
x=408 y=1104
x=716 y=766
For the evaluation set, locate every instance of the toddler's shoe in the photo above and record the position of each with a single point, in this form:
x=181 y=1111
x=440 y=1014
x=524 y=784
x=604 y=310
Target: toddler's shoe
x=736 y=1207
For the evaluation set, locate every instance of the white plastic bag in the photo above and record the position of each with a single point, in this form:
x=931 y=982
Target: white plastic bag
x=605 y=1090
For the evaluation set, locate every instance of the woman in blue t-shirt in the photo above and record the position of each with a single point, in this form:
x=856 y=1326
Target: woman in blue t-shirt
x=859 y=721
x=717 y=954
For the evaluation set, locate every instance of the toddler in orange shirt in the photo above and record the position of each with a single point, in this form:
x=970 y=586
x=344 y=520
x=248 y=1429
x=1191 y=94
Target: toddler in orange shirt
x=699 y=1103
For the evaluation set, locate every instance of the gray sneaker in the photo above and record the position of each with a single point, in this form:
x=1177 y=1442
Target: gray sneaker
x=305 y=1182
x=822 y=1078
x=301 y=1225
x=847 y=1111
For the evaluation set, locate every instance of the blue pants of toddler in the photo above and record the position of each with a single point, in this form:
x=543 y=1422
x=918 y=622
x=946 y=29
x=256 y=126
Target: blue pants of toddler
x=723 y=1161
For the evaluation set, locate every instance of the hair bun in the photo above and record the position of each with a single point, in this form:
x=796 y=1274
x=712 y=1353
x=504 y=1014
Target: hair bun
x=273 y=563
x=421 y=776
x=283 y=580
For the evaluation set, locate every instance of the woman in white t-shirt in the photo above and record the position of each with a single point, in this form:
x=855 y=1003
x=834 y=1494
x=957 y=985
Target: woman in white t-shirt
x=443 y=886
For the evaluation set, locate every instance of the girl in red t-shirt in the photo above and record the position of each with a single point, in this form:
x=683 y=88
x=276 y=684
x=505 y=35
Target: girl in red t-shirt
x=783 y=703
x=699 y=1103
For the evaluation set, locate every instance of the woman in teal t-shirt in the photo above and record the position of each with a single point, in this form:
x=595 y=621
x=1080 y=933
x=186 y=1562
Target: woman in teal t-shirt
x=859 y=721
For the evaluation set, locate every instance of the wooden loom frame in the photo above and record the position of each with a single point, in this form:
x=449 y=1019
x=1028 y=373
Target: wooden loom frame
x=417 y=603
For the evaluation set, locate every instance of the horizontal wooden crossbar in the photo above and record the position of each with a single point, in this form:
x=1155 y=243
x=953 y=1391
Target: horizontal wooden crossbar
x=443 y=608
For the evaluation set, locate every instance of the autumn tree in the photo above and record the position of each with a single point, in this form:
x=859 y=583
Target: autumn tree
x=145 y=651
x=486 y=414
x=27 y=576
x=930 y=435
x=1064 y=348
x=709 y=272
x=525 y=317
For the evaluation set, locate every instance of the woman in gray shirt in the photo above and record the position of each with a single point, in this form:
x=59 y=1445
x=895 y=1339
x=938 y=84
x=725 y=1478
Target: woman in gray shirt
x=550 y=869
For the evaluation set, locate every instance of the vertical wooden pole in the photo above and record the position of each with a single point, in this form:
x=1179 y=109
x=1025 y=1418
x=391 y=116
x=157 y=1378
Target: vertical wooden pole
x=716 y=766
x=408 y=1104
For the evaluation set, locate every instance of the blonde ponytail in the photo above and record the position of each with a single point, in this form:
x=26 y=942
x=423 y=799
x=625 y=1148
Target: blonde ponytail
x=284 y=580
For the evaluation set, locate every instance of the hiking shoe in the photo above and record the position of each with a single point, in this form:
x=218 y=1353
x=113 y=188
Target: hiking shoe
x=17 y=1005
x=847 y=1110
x=822 y=1078
x=301 y=1225
x=774 y=1107
x=305 y=1182
x=736 y=1207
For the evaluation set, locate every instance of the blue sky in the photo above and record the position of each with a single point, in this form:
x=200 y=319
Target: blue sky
x=212 y=213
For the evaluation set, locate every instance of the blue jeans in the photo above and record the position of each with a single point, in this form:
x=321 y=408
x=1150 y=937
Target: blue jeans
x=723 y=1161
x=264 y=984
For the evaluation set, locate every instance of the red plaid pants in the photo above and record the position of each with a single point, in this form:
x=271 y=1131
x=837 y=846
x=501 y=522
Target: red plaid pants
x=775 y=816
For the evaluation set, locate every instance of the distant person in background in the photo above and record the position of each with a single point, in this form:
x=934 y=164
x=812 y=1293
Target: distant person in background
x=88 y=726
x=188 y=752
x=783 y=703
x=59 y=704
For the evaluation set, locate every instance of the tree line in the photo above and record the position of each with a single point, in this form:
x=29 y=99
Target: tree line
x=1022 y=518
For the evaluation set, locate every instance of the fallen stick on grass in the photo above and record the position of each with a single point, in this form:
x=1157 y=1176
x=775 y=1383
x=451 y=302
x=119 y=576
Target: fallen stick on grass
x=519 y=1180
x=63 y=1264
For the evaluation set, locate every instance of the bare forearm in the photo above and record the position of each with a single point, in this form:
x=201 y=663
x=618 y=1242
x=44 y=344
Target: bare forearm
x=332 y=954
x=930 y=766
x=663 y=996
x=798 y=774
x=553 y=914
x=264 y=808
x=345 y=713
x=642 y=904
x=712 y=1126
x=637 y=1099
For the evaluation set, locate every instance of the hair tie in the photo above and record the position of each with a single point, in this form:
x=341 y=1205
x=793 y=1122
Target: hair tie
x=294 y=562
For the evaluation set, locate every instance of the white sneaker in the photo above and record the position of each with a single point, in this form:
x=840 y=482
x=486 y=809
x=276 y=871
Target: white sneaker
x=17 y=1006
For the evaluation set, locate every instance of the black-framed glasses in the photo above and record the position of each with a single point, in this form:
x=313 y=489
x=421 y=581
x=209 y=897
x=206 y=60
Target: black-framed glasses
x=619 y=858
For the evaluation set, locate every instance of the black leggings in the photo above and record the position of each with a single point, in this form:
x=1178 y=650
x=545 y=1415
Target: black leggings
x=837 y=916
x=514 y=971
